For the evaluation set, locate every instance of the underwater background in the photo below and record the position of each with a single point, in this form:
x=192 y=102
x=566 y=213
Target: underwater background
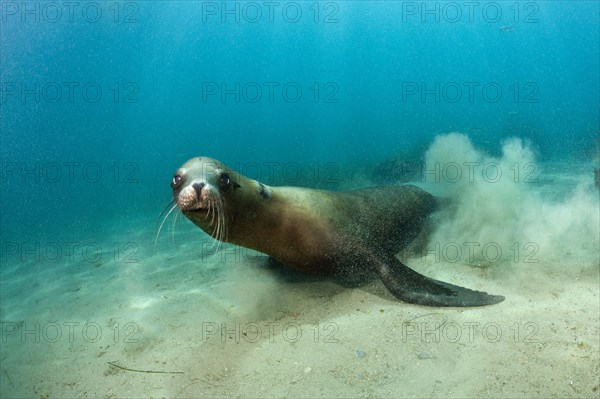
x=102 y=101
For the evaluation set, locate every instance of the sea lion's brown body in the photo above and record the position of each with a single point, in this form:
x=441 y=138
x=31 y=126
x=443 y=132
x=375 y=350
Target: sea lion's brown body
x=350 y=233
x=308 y=229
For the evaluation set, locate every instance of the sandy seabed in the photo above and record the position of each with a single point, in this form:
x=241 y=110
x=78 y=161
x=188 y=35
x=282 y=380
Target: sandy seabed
x=189 y=321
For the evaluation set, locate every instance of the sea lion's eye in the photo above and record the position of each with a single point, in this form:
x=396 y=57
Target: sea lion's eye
x=176 y=181
x=225 y=180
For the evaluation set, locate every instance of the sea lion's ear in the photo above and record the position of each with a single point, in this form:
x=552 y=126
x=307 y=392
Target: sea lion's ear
x=236 y=185
x=264 y=191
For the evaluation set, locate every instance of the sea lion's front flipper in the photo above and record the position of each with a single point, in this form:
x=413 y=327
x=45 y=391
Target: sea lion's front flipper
x=412 y=287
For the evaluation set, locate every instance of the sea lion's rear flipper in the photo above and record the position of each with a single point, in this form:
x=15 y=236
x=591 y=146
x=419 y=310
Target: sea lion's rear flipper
x=412 y=287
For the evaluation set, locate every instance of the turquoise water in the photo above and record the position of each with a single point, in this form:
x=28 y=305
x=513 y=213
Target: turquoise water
x=101 y=102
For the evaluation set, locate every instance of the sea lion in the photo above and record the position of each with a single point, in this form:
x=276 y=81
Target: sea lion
x=342 y=233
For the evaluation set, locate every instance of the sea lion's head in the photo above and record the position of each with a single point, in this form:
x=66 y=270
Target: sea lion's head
x=208 y=193
x=201 y=187
x=200 y=181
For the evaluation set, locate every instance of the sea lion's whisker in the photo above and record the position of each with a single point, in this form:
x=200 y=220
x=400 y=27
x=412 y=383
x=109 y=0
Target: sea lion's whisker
x=219 y=217
x=217 y=229
x=169 y=204
x=217 y=232
x=174 y=227
x=212 y=205
x=171 y=226
x=161 y=225
x=223 y=237
x=224 y=223
x=208 y=209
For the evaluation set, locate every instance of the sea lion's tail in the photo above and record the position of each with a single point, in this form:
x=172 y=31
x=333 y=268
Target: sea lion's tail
x=412 y=287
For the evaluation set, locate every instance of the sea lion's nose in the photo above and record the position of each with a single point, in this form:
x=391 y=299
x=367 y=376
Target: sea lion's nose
x=198 y=188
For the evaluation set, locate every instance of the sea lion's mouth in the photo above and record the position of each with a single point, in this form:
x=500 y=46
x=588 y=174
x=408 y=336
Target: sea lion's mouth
x=199 y=209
